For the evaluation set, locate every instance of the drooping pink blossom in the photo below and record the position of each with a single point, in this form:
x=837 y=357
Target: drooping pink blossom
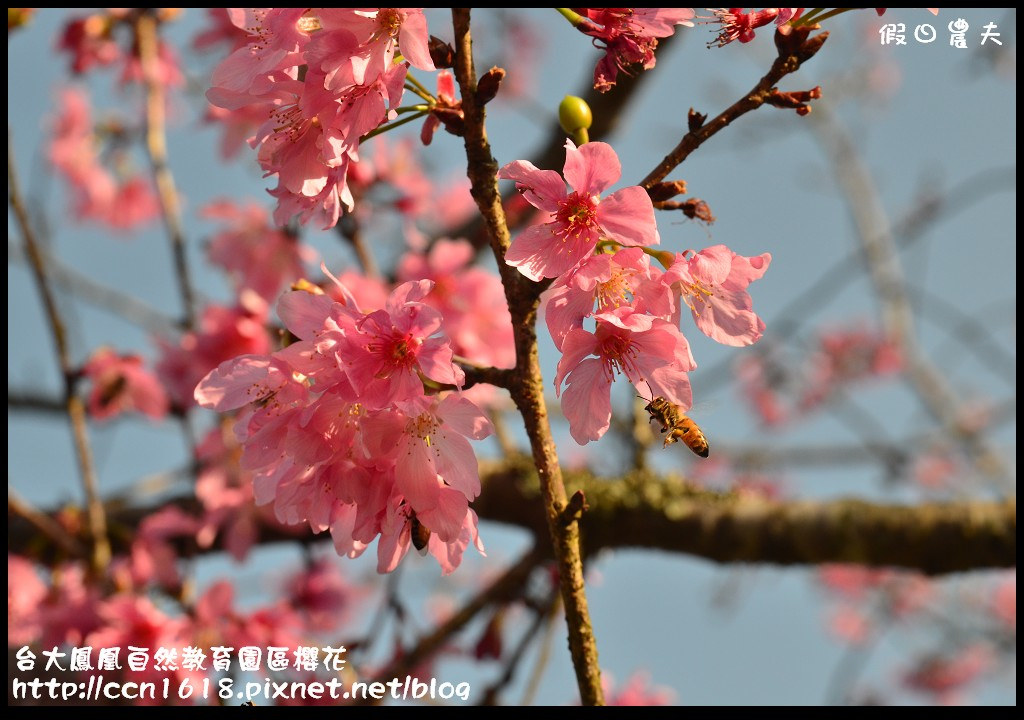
x=713 y=283
x=580 y=219
x=629 y=37
x=323 y=78
x=606 y=281
x=338 y=432
x=649 y=351
x=120 y=383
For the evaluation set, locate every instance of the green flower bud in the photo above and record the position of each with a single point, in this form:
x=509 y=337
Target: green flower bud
x=575 y=117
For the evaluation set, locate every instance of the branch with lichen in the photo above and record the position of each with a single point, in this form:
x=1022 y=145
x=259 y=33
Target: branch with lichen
x=667 y=513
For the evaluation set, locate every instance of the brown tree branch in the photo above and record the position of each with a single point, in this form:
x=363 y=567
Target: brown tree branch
x=527 y=390
x=97 y=523
x=794 y=51
x=147 y=38
x=647 y=510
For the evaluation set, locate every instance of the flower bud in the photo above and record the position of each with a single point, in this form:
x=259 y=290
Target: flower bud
x=575 y=117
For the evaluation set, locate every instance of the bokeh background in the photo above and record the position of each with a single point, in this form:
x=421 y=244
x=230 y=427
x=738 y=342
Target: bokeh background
x=927 y=120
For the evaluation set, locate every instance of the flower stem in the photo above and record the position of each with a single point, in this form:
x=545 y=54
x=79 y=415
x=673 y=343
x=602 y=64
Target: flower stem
x=397 y=123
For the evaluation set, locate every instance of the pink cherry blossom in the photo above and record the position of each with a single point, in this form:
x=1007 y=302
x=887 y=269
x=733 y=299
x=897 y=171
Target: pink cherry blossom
x=25 y=593
x=713 y=283
x=622 y=279
x=578 y=220
x=649 y=351
x=638 y=691
x=338 y=432
x=120 y=384
x=390 y=347
x=629 y=37
x=850 y=624
x=322 y=78
x=471 y=301
x=89 y=42
x=738 y=25
x=119 y=201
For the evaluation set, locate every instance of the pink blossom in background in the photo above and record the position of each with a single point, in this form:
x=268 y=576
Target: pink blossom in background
x=120 y=201
x=713 y=284
x=649 y=351
x=849 y=624
x=89 y=42
x=629 y=37
x=223 y=333
x=637 y=691
x=153 y=556
x=762 y=381
x=945 y=676
x=220 y=30
x=1004 y=601
x=323 y=594
x=120 y=383
x=847 y=355
x=580 y=219
x=258 y=256
x=25 y=593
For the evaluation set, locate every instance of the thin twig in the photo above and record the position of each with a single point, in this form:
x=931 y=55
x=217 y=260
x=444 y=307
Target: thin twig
x=352 y=232
x=540 y=617
x=148 y=41
x=120 y=303
x=527 y=389
x=45 y=524
x=100 y=555
x=793 y=52
x=506 y=587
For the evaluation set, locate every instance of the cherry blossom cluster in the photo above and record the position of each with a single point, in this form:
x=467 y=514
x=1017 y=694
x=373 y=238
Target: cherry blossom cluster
x=321 y=79
x=629 y=37
x=339 y=431
x=598 y=251
x=111 y=193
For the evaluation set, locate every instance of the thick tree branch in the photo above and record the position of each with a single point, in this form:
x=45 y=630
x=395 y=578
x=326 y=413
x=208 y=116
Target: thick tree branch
x=528 y=389
x=665 y=513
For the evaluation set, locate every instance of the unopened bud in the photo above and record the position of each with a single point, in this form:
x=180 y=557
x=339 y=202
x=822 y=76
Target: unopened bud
x=575 y=117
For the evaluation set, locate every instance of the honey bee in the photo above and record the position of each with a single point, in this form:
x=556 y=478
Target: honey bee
x=420 y=533
x=677 y=425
